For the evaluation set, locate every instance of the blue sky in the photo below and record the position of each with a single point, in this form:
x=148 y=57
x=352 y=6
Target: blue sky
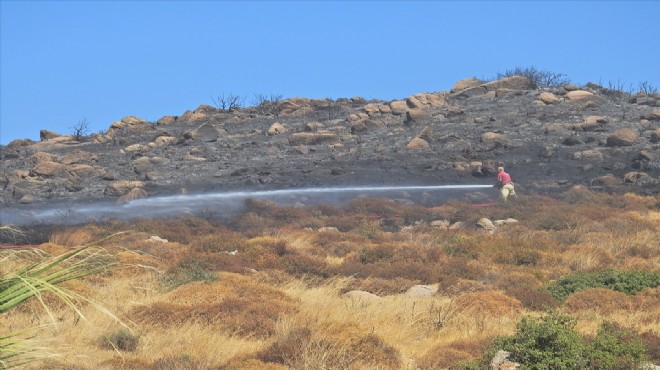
x=62 y=62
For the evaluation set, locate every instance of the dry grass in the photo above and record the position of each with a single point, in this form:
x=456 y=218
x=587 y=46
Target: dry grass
x=276 y=300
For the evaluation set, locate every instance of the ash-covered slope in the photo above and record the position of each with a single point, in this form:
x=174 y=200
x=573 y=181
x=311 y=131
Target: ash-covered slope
x=549 y=140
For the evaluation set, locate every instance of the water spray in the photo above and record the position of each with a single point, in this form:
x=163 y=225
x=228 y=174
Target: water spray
x=220 y=202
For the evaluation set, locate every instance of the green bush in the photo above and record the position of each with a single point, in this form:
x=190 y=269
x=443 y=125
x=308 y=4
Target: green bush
x=629 y=282
x=616 y=348
x=551 y=342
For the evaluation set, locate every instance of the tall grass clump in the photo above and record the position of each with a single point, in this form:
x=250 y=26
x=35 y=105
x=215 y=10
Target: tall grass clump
x=36 y=277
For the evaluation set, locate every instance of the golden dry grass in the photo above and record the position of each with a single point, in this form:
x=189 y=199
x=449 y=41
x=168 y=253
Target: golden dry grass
x=278 y=299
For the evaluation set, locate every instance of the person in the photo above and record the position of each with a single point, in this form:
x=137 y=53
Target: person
x=505 y=184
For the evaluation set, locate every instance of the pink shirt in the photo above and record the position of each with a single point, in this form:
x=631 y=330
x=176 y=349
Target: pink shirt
x=503 y=178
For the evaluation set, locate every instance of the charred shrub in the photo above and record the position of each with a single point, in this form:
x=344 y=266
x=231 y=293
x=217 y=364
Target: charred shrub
x=121 y=339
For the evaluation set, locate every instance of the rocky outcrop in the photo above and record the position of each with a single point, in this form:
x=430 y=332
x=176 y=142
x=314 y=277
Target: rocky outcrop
x=550 y=139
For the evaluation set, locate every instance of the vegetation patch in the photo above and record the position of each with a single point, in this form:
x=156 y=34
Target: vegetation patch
x=629 y=282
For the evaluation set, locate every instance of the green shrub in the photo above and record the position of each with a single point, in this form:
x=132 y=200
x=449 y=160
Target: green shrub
x=121 y=339
x=551 y=342
x=616 y=348
x=629 y=282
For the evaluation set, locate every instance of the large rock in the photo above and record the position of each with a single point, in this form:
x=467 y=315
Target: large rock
x=206 y=133
x=588 y=154
x=417 y=115
x=548 y=98
x=276 y=129
x=584 y=97
x=422 y=290
x=486 y=224
x=398 y=107
x=48 y=168
x=129 y=124
x=313 y=138
x=652 y=116
x=622 y=137
x=465 y=84
x=119 y=188
x=417 y=143
x=636 y=178
x=79 y=156
x=133 y=194
x=42 y=156
x=592 y=123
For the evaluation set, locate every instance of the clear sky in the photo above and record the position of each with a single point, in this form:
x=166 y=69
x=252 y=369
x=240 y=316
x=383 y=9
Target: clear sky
x=64 y=62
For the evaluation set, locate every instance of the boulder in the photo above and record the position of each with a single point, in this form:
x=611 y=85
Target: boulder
x=48 y=168
x=588 y=154
x=501 y=362
x=417 y=143
x=276 y=129
x=119 y=188
x=417 y=115
x=422 y=290
x=133 y=194
x=487 y=225
x=42 y=156
x=79 y=156
x=592 y=123
x=137 y=148
x=398 y=107
x=652 y=116
x=548 y=98
x=129 y=123
x=166 y=120
x=636 y=177
x=313 y=126
x=471 y=92
x=206 y=133
x=413 y=102
x=465 y=84
x=584 y=97
x=161 y=141
x=622 y=137
x=313 y=138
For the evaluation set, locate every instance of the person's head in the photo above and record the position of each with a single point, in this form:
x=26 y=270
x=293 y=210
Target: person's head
x=500 y=169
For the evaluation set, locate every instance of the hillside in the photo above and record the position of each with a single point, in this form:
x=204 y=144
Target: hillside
x=250 y=266
x=550 y=139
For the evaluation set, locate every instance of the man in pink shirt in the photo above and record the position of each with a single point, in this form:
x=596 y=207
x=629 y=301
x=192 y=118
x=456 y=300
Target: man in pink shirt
x=505 y=184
